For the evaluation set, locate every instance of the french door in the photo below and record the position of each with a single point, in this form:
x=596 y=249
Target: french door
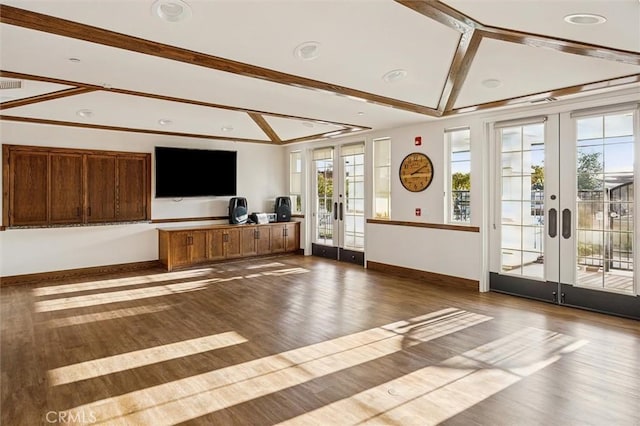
x=564 y=228
x=338 y=209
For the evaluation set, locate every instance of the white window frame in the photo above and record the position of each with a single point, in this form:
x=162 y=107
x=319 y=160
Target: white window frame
x=295 y=176
x=449 y=210
x=376 y=167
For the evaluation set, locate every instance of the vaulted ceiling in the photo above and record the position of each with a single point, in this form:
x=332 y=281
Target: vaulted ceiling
x=281 y=71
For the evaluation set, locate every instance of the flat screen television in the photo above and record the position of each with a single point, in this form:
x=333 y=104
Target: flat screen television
x=182 y=172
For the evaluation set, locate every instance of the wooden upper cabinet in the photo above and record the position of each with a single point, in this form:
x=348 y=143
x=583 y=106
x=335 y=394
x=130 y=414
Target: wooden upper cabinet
x=50 y=186
x=28 y=188
x=101 y=188
x=65 y=198
x=132 y=187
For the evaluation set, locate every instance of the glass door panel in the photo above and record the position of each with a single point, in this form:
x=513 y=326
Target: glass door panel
x=605 y=202
x=324 y=222
x=522 y=206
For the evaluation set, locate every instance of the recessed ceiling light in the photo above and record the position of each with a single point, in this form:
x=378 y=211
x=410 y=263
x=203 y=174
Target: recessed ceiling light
x=74 y=60
x=171 y=10
x=491 y=83
x=84 y=113
x=585 y=19
x=227 y=129
x=307 y=51
x=165 y=122
x=394 y=75
x=360 y=113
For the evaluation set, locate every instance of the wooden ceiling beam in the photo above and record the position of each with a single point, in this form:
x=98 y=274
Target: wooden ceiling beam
x=265 y=127
x=125 y=129
x=544 y=96
x=460 y=66
x=45 y=97
x=36 y=21
x=11 y=74
x=561 y=45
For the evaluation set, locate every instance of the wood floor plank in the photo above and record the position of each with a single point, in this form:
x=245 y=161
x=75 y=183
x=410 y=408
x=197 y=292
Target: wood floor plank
x=323 y=339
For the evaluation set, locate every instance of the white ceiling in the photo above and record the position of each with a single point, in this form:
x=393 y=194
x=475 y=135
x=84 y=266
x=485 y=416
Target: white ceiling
x=360 y=41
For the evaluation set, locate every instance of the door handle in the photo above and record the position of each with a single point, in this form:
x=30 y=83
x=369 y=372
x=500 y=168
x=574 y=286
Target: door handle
x=566 y=223
x=335 y=211
x=341 y=211
x=553 y=223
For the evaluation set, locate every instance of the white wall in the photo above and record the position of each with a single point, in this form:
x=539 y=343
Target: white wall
x=261 y=177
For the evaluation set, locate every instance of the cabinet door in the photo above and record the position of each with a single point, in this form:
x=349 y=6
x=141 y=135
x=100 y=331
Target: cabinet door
x=180 y=253
x=248 y=241
x=66 y=188
x=233 y=248
x=101 y=188
x=216 y=244
x=263 y=243
x=198 y=246
x=277 y=238
x=29 y=187
x=292 y=240
x=132 y=193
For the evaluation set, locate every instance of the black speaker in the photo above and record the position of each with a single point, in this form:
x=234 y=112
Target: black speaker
x=283 y=209
x=238 y=210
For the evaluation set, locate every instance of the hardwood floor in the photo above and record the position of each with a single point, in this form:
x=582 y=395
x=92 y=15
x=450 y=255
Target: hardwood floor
x=306 y=341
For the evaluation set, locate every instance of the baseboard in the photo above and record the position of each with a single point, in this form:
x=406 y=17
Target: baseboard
x=76 y=273
x=430 y=277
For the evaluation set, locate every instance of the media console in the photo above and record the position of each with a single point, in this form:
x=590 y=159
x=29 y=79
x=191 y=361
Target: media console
x=184 y=247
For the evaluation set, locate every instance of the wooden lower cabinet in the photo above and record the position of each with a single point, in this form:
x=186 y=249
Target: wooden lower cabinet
x=182 y=247
x=284 y=237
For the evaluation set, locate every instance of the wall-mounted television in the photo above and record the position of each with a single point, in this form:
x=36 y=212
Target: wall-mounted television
x=182 y=172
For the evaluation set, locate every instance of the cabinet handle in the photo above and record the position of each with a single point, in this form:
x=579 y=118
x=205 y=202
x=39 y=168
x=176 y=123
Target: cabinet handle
x=256 y=234
x=286 y=232
x=189 y=240
x=88 y=211
x=78 y=211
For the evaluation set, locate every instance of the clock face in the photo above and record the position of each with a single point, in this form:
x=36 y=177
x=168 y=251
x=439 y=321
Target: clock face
x=416 y=172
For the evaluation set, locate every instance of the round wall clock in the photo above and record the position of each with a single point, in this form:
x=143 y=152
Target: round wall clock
x=416 y=172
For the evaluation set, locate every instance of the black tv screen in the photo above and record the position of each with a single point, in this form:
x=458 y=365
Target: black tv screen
x=184 y=172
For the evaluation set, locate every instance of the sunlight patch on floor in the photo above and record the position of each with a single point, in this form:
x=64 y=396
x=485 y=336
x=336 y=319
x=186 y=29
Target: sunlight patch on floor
x=94 y=299
x=126 y=361
x=125 y=295
x=55 y=290
x=436 y=393
x=107 y=315
x=192 y=397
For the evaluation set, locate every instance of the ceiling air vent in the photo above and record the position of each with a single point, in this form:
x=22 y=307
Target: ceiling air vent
x=541 y=100
x=10 y=84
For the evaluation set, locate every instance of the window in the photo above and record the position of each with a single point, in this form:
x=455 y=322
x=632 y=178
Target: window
x=459 y=179
x=382 y=178
x=295 y=181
